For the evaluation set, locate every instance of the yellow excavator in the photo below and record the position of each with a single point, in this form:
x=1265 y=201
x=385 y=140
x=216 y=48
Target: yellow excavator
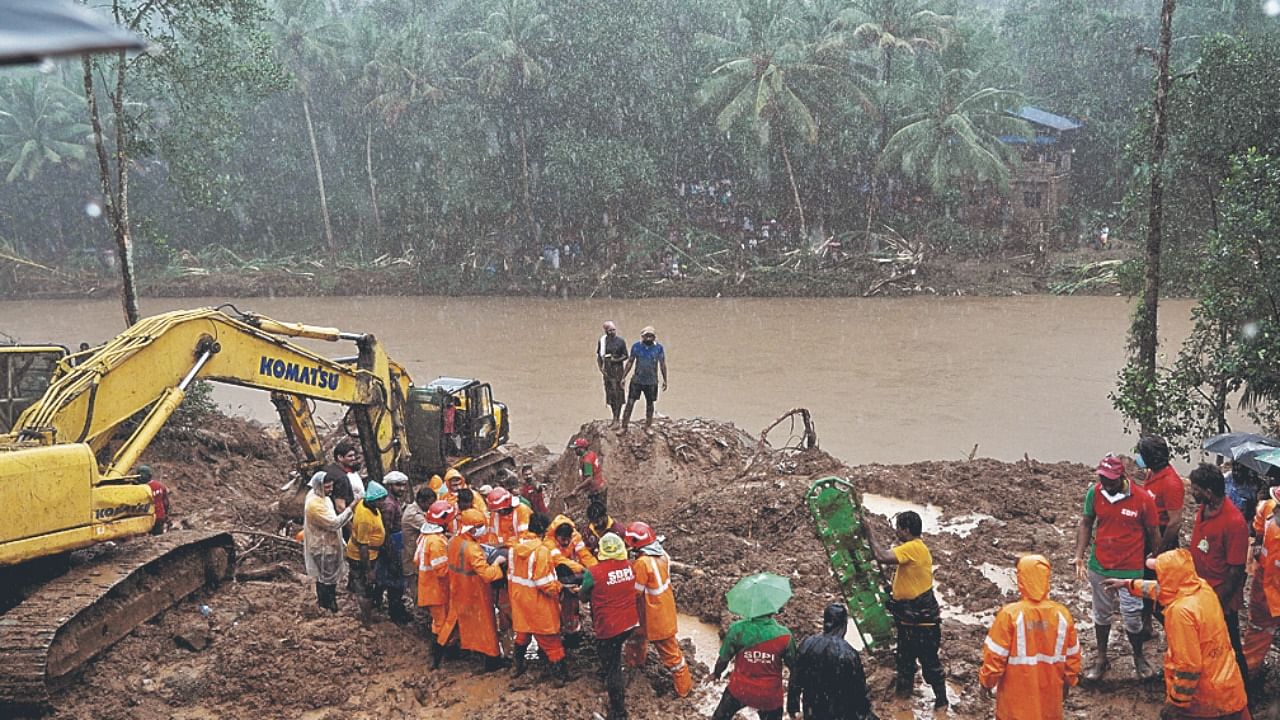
x=67 y=458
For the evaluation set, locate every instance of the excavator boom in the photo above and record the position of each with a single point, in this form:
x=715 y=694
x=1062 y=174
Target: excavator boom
x=65 y=465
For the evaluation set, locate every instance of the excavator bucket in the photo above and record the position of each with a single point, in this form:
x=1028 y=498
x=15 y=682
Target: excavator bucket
x=838 y=519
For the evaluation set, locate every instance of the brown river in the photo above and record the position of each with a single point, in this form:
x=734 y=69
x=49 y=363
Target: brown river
x=888 y=380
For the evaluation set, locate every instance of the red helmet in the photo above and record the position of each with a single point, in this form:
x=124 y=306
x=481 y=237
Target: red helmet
x=581 y=443
x=441 y=512
x=498 y=498
x=639 y=534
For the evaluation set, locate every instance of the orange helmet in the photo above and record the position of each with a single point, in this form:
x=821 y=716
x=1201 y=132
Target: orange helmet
x=498 y=499
x=441 y=512
x=639 y=534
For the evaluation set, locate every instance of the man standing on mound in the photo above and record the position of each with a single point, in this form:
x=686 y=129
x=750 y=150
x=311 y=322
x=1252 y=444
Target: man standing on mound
x=647 y=357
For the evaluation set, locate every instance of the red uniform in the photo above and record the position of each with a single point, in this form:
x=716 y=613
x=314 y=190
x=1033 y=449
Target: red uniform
x=1118 y=543
x=1167 y=489
x=612 y=587
x=1217 y=543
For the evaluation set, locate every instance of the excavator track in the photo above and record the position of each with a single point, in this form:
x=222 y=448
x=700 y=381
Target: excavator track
x=72 y=618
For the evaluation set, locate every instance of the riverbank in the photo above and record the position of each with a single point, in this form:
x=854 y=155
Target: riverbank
x=793 y=275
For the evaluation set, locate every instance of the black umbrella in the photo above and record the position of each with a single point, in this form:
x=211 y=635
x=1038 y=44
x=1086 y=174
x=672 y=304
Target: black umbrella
x=32 y=30
x=1241 y=447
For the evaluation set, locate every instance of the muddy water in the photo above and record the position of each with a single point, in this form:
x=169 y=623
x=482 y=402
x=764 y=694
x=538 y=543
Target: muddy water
x=888 y=380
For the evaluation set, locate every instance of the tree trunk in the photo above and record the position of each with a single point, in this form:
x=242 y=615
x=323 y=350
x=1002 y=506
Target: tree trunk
x=524 y=176
x=373 y=185
x=1145 y=324
x=115 y=198
x=324 y=200
x=795 y=192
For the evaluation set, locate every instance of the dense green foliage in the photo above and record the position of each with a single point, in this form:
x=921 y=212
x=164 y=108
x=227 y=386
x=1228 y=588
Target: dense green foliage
x=1232 y=355
x=477 y=133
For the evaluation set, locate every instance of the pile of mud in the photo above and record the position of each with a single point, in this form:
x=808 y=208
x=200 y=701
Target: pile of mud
x=727 y=508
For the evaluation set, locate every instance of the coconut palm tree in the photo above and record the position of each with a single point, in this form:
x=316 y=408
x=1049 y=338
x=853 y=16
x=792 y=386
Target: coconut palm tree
x=768 y=78
x=954 y=137
x=309 y=37
x=897 y=26
x=508 y=65
x=38 y=127
x=397 y=73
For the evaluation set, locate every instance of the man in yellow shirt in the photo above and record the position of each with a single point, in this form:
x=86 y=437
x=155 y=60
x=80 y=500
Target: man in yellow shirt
x=915 y=608
x=367 y=536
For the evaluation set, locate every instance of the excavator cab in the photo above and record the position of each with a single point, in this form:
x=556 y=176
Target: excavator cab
x=25 y=372
x=454 y=422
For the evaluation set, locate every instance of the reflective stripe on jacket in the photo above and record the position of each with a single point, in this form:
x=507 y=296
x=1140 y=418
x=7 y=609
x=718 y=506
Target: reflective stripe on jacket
x=431 y=558
x=534 y=589
x=657 y=602
x=471 y=596
x=1201 y=676
x=1031 y=650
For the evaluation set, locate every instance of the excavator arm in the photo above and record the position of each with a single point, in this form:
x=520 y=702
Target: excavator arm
x=149 y=365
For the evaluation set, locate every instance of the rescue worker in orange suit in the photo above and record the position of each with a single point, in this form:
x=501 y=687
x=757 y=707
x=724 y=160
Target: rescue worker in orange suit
x=1264 y=595
x=610 y=588
x=1032 y=655
x=432 y=558
x=508 y=518
x=572 y=559
x=657 y=605
x=471 y=592
x=1201 y=677
x=535 y=602
x=455 y=482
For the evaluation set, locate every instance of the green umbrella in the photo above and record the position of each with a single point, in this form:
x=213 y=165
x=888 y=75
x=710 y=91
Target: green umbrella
x=760 y=594
x=1269 y=457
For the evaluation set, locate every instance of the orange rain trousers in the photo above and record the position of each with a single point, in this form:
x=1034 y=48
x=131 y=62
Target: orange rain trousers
x=550 y=644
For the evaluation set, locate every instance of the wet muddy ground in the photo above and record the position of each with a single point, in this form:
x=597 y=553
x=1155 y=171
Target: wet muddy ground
x=725 y=509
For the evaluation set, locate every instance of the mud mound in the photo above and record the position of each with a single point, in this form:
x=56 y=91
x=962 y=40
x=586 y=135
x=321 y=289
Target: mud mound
x=656 y=475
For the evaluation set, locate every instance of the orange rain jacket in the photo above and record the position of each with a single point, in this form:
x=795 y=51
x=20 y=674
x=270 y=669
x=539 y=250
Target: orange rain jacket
x=507 y=529
x=432 y=555
x=1267 y=572
x=535 y=591
x=1201 y=677
x=657 y=602
x=1031 y=649
x=578 y=556
x=471 y=597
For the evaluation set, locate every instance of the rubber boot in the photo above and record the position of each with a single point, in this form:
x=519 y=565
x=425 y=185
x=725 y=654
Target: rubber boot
x=682 y=679
x=559 y=674
x=395 y=606
x=521 y=663
x=434 y=650
x=493 y=664
x=1095 y=671
x=1140 y=664
x=940 y=695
